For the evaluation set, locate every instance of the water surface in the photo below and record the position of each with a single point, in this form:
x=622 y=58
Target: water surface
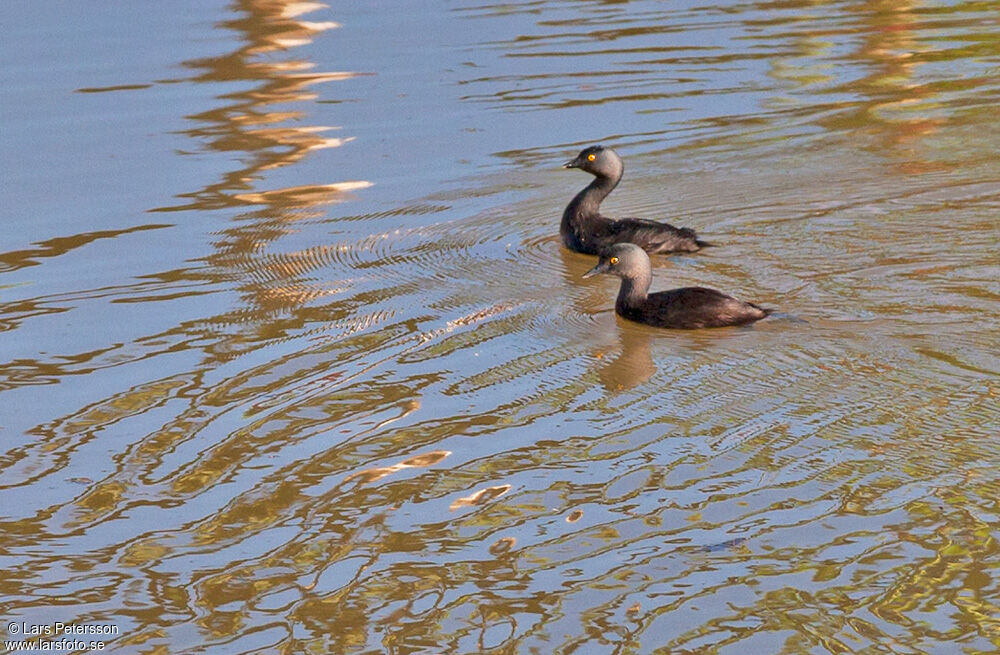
x=295 y=362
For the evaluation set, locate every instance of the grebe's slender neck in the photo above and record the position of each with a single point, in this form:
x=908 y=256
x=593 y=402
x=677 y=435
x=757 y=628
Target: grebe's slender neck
x=634 y=289
x=589 y=200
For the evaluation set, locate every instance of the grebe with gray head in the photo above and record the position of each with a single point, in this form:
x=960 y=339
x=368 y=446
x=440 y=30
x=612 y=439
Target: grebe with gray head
x=687 y=308
x=585 y=230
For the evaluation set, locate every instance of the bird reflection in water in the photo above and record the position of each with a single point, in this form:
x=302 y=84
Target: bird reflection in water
x=634 y=363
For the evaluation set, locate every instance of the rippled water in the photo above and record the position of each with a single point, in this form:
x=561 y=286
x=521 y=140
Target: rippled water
x=295 y=363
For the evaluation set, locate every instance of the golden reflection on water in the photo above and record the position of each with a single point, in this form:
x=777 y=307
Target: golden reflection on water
x=254 y=123
x=369 y=476
x=892 y=114
x=247 y=125
x=480 y=497
x=435 y=438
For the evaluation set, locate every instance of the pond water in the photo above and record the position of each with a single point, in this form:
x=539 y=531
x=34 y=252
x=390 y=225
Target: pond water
x=294 y=360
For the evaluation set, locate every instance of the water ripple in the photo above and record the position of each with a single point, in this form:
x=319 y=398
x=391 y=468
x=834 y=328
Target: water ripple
x=387 y=415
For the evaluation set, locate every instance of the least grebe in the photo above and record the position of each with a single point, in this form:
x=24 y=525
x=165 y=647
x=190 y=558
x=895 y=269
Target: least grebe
x=583 y=229
x=687 y=308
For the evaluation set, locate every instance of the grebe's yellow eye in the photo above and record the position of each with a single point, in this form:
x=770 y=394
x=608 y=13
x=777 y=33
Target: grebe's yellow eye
x=613 y=260
x=591 y=157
